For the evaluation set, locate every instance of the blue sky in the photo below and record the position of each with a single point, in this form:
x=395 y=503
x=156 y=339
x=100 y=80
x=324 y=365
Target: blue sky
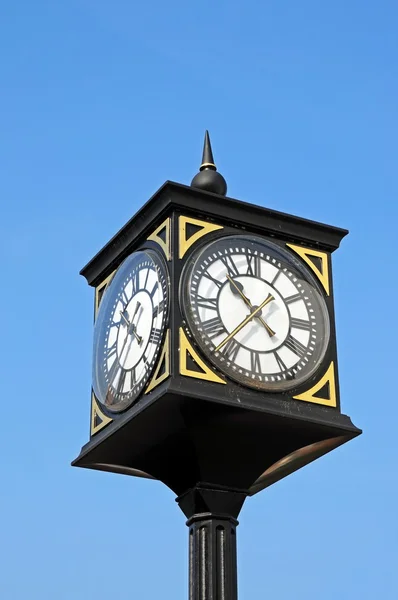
x=100 y=103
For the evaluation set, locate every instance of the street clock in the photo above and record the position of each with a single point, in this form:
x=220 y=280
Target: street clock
x=214 y=355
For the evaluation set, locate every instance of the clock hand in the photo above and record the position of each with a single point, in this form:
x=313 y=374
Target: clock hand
x=130 y=339
x=132 y=327
x=136 y=310
x=253 y=312
x=135 y=334
x=132 y=319
x=237 y=289
x=124 y=318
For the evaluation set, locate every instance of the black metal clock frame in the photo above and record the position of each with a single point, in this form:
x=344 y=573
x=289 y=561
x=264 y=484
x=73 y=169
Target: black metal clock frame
x=209 y=439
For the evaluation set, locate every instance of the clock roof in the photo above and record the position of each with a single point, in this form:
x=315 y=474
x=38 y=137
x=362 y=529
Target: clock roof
x=207 y=205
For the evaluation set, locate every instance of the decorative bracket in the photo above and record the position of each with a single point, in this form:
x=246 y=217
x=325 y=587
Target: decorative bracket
x=317 y=261
x=190 y=231
x=98 y=419
x=99 y=292
x=191 y=365
x=161 y=236
x=324 y=391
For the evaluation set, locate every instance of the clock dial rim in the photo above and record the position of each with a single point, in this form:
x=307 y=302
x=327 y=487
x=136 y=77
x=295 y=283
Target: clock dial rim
x=106 y=312
x=289 y=262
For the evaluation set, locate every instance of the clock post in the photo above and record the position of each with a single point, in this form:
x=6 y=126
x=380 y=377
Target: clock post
x=215 y=362
x=212 y=521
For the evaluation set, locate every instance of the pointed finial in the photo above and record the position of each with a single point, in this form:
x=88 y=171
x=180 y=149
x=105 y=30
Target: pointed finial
x=208 y=178
x=207 y=157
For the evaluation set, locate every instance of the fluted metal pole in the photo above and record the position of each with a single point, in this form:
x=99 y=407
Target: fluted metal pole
x=212 y=557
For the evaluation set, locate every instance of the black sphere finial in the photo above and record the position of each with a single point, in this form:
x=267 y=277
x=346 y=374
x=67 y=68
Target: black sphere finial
x=208 y=178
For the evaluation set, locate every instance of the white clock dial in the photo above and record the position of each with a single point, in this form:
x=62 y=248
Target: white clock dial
x=256 y=312
x=129 y=330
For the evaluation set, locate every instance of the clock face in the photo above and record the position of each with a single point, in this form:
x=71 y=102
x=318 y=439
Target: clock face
x=256 y=312
x=129 y=329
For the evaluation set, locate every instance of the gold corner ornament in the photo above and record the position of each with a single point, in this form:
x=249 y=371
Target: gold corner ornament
x=99 y=291
x=162 y=371
x=308 y=255
x=184 y=241
x=98 y=419
x=161 y=236
x=204 y=371
x=326 y=384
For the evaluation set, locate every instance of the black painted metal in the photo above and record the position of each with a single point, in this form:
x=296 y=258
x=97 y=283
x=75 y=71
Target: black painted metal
x=214 y=444
x=208 y=178
x=212 y=557
x=173 y=198
x=212 y=520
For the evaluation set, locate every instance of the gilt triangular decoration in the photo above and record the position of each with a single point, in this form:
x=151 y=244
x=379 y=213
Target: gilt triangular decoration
x=201 y=228
x=162 y=371
x=99 y=291
x=323 y=392
x=161 y=236
x=191 y=365
x=317 y=261
x=98 y=419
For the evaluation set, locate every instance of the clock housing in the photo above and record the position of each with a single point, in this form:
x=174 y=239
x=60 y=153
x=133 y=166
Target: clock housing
x=193 y=422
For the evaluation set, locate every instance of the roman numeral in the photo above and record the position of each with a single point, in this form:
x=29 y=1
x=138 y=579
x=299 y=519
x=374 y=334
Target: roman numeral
x=135 y=281
x=213 y=327
x=133 y=379
x=158 y=309
x=280 y=362
x=155 y=287
x=255 y=365
x=124 y=298
x=146 y=278
x=300 y=324
x=203 y=302
x=253 y=265
x=293 y=298
x=295 y=346
x=156 y=336
x=111 y=351
x=207 y=274
x=276 y=277
x=120 y=383
x=112 y=373
x=228 y=262
x=231 y=350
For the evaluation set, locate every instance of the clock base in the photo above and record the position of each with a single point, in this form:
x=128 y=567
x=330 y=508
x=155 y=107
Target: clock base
x=179 y=438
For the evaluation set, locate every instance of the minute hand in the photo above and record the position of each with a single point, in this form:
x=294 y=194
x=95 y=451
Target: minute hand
x=247 y=320
x=238 y=290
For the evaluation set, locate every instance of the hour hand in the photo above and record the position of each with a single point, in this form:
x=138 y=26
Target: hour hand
x=236 y=286
x=253 y=312
x=137 y=308
x=135 y=334
x=237 y=289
